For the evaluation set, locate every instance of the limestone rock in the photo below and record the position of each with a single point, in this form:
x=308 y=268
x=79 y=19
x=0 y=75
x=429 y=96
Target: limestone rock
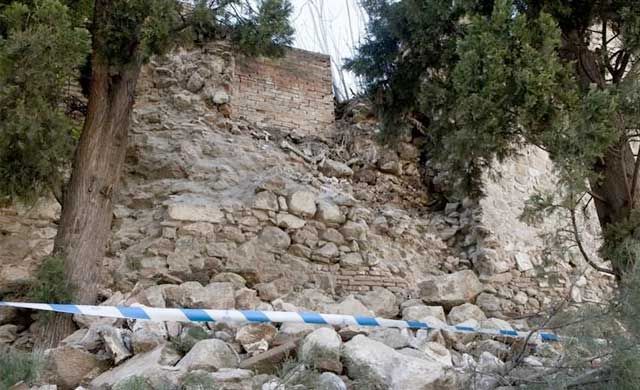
x=329 y=213
x=354 y=231
x=465 y=312
x=195 y=212
x=253 y=333
x=351 y=260
x=265 y=200
x=8 y=333
x=392 y=337
x=209 y=355
x=350 y=306
x=148 y=335
x=69 y=366
x=330 y=381
x=321 y=349
x=334 y=168
x=416 y=313
x=302 y=203
x=149 y=365
x=195 y=83
x=288 y=221
x=383 y=366
x=274 y=238
x=194 y=295
x=451 y=289
x=381 y=301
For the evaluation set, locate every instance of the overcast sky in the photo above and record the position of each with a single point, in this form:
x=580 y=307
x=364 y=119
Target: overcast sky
x=332 y=27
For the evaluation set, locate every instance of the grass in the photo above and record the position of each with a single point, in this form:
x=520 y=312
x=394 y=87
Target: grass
x=16 y=366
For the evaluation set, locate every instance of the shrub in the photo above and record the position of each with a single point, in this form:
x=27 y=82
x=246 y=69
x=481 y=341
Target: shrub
x=16 y=366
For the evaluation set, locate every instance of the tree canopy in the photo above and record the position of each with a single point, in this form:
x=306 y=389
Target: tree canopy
x=482 y=78
x=44 y=48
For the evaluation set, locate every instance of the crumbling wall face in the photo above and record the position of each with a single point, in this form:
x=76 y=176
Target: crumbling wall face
x=293 y=92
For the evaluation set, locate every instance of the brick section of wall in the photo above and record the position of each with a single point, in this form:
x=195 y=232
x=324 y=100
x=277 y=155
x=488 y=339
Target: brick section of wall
x=292 y=92
x=361 y=279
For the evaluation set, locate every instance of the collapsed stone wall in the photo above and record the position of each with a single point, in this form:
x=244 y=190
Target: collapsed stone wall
x=207 y=193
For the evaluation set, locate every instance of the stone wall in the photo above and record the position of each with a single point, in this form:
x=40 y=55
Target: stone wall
x=293 y=92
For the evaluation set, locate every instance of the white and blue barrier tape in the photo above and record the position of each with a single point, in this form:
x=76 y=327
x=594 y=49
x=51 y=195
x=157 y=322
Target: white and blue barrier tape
x=253 y=316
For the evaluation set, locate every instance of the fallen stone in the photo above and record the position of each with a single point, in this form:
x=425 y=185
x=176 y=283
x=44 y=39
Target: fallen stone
x=68 y=366
x=382 y=366
x=148 y=335
x=334 y=168
x=321 y=349
x=8 y=334
x=465 y=312
x=114 y=342
x=209 y=355
x=392 y=337
x=149 y=365
x=451 y=289
x=253 y=333
x=268 y=362
x=381 y=301
x=417 y=312
x=349 y=306
x=330 y=381
x=230 y=375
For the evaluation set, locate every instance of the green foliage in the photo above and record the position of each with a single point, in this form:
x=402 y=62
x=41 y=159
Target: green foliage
x=188 y=339
x=266 y=31
x=486 y=77
x=49 y=285
x=39 y=55
x=133 y=383
x=16 y=366
x=198 y=380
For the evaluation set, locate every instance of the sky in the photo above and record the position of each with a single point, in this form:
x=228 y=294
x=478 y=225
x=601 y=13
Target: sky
x=331 y=27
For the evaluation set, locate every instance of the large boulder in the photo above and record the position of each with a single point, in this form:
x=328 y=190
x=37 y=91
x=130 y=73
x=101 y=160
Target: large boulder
x=464 y=312
x=209 y=355
x=154 y=365
x=321 y=349
x=382 y=366
x=381 y=301
x=68 y=366
x=451 y=289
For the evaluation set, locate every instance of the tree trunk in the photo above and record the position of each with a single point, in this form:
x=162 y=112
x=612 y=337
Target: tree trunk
x=614 y=193
x=85 y=222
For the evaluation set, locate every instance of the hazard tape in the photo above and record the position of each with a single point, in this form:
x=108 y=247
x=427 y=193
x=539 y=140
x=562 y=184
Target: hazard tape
x=254 y=316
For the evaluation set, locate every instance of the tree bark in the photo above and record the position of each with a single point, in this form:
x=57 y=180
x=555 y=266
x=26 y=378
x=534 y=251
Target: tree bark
x=85 y=223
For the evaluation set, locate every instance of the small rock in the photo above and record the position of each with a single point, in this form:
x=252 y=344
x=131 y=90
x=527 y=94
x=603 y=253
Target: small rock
x=8 y=334
x=329 y=213
x=334 y=168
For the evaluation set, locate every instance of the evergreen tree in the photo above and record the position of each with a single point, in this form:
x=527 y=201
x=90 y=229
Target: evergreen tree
x=123 y=35
x=481 y=78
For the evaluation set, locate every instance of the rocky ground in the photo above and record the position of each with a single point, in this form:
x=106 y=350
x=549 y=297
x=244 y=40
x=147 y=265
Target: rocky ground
x=218 y=213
